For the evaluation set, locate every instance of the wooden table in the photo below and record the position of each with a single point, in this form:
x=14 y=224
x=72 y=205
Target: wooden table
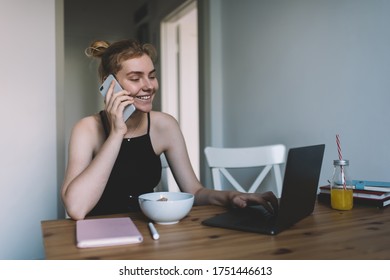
x=362 y=233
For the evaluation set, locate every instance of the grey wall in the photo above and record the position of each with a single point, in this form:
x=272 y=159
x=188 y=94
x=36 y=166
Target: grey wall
x=298 y=72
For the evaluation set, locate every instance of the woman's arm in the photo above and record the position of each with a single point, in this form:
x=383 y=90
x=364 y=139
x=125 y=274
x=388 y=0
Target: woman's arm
x=87 y=174
x=177 y=156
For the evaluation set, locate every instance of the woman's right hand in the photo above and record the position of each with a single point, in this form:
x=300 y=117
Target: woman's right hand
x=115 y=104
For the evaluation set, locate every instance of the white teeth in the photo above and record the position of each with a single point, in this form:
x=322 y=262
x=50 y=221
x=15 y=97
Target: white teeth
x=146 y=97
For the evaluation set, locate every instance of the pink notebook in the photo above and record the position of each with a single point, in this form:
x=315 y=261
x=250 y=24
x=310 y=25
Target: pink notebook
x=106 y=232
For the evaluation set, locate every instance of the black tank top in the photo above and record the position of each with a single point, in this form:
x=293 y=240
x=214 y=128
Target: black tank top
x=137 y=170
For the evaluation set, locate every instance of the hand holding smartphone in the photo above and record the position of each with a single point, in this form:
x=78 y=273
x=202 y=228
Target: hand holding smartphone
x=129 y=110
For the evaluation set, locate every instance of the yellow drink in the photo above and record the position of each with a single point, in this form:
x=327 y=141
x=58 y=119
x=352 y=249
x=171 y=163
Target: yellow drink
x=341 y=199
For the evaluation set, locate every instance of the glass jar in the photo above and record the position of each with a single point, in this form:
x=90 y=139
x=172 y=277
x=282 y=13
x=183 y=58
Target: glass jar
x=341 y=193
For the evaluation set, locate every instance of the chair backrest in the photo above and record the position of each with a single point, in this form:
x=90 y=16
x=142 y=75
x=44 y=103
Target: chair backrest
x=269 y=157
x=168 y=182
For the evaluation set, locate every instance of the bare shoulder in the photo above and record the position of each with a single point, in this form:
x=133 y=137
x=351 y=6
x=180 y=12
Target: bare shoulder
x=164 y=131
x=89 y=129
x=162 y=121
x=90 y=124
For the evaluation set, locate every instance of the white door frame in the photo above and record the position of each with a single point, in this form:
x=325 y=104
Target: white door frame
x=179 y=74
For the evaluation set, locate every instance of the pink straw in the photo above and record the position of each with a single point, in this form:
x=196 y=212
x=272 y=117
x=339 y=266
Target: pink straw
x=340 y=158
x=339 y=147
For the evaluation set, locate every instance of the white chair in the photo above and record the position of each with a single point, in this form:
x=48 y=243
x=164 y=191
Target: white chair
x=168 y=182
x=268 y=157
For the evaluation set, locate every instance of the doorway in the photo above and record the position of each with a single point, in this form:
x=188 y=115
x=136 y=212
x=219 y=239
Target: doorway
x=179 y=64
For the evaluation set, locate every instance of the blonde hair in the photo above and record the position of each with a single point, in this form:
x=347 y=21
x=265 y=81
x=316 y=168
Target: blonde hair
x=112 y=55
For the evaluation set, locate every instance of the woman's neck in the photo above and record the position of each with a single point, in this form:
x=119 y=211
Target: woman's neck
x=135 y=124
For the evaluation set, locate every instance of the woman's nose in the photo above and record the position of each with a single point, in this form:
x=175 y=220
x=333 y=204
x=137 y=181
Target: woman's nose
x=147 y=84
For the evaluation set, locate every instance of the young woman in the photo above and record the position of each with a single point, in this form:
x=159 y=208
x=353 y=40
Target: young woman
x=112 y=161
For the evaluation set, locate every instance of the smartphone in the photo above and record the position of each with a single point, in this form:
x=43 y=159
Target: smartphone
x=129 y=110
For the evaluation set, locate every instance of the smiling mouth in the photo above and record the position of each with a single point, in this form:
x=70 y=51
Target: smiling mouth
x=144 y=97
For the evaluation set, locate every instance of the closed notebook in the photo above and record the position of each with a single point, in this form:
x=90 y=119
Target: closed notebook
x=106 y=232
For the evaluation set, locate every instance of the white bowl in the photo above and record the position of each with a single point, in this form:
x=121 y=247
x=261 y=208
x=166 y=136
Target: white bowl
x=170 y=210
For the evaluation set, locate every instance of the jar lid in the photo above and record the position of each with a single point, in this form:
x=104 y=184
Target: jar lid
x=341 y=162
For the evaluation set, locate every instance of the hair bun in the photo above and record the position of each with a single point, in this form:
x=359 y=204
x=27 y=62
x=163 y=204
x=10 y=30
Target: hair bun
x=97 y=49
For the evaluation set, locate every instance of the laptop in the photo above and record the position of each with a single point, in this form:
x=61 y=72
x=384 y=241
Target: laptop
x=299 y=192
